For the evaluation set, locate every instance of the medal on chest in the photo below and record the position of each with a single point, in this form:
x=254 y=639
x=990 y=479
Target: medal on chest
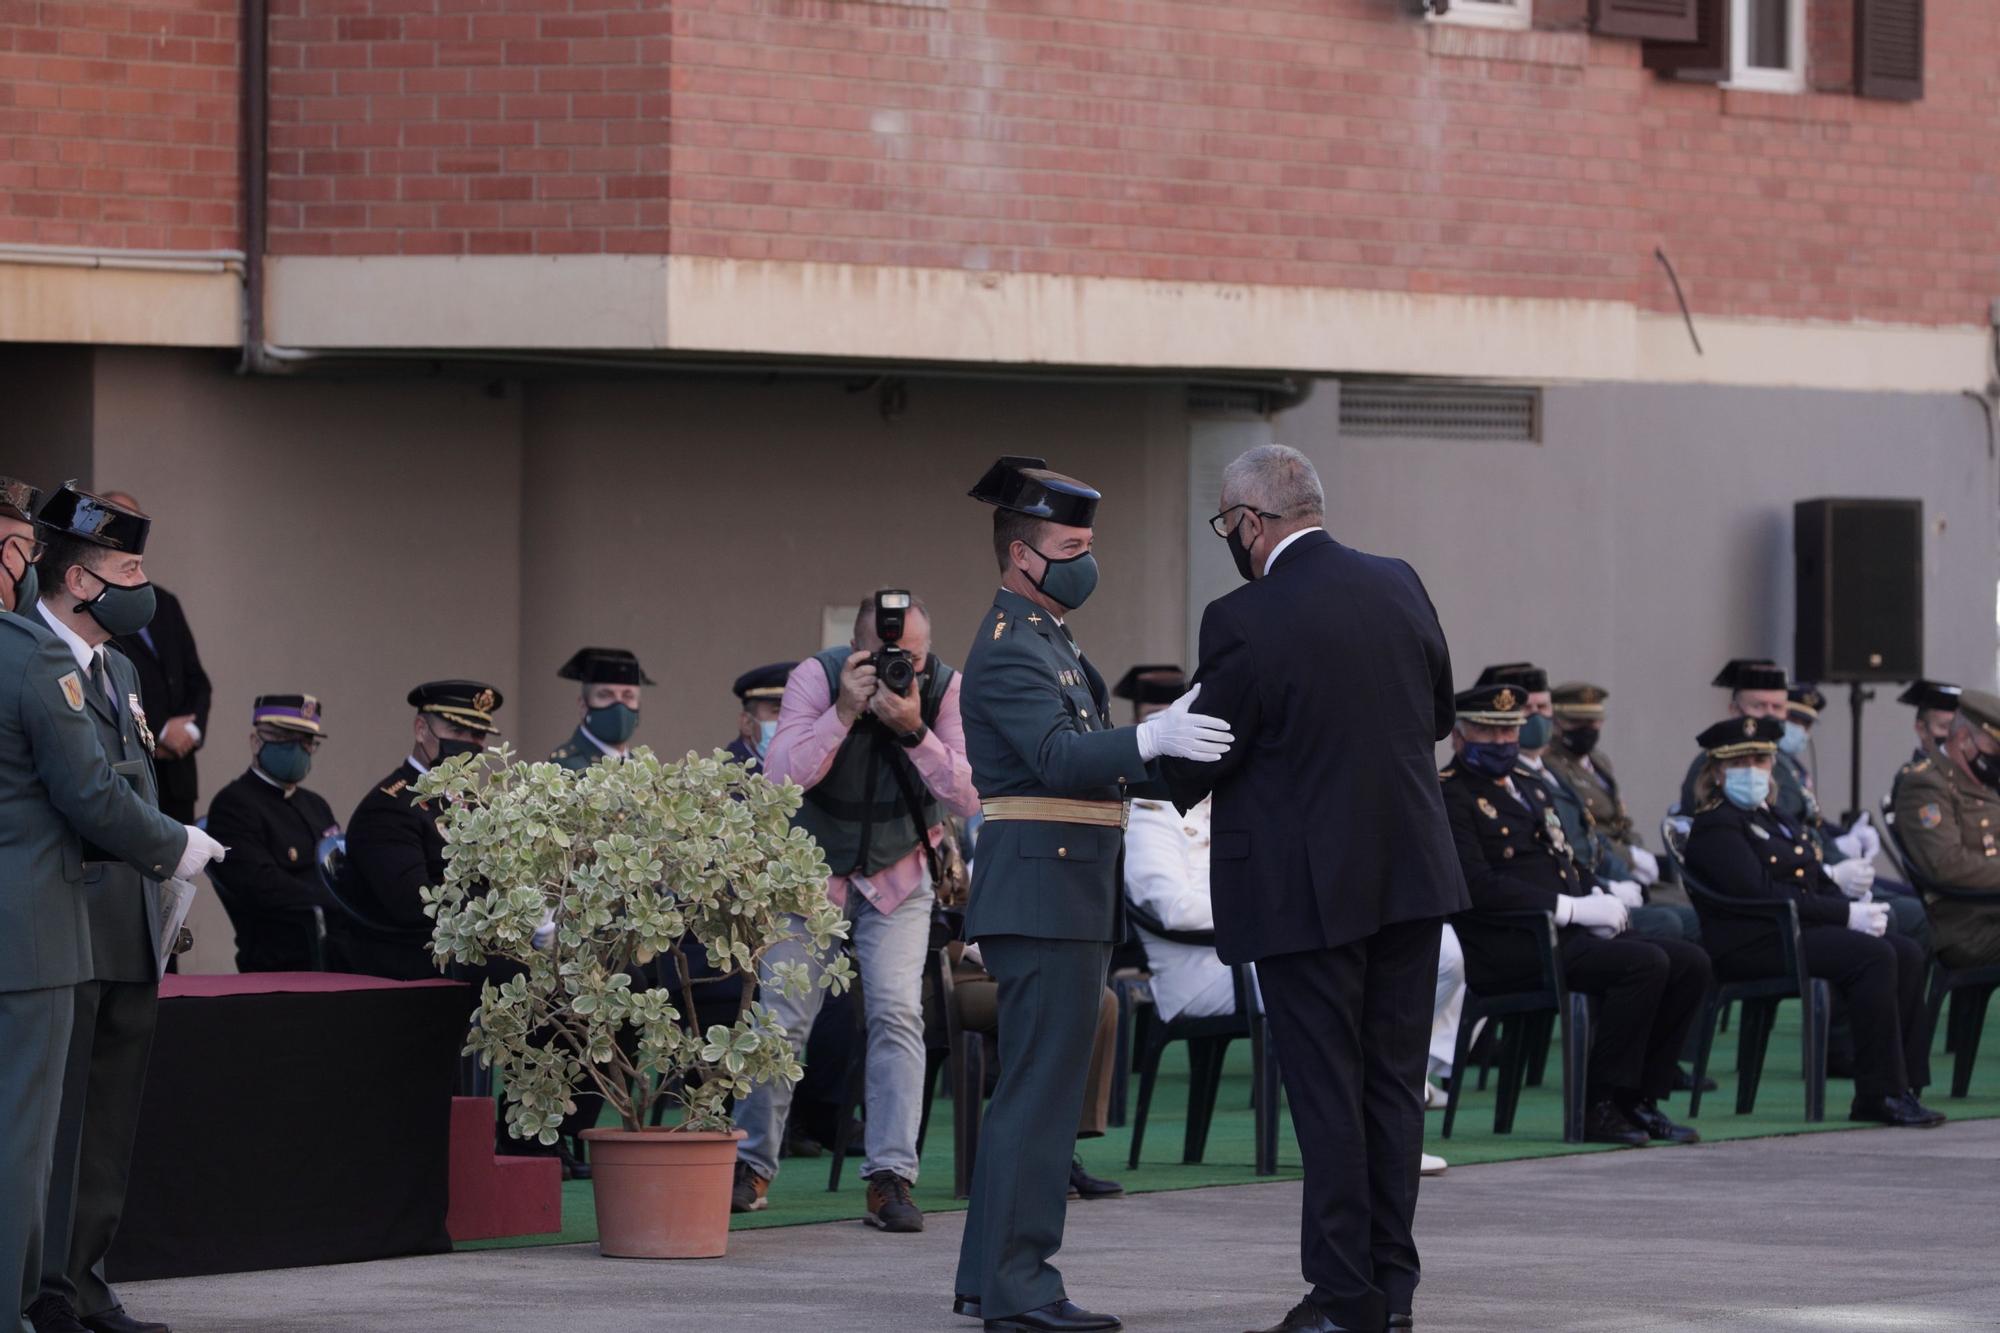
x=139 y=721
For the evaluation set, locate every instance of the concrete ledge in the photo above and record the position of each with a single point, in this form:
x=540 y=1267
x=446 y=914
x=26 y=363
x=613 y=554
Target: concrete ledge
x=61 y=303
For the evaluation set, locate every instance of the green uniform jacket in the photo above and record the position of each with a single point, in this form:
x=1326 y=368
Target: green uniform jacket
x=1035 y=725
x=1950 y=827
x=577 y=753
x=124 y=903
x=57 y=787
x=1597 y=783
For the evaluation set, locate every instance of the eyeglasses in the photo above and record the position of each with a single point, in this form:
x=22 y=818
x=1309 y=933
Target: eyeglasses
x=1222 y=527
x=310 y=744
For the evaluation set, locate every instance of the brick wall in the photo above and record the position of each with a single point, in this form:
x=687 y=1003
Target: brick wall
x=118 y=123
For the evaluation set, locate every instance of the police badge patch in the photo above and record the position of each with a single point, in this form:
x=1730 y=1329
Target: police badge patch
x=1931 y=815
x=71 y=685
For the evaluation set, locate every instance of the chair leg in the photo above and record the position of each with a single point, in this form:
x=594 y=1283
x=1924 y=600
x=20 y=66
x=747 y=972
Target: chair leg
x=1814 y=1055
x=1971 y=1027
x=1204 y=1085
x=1149 y=1072
x=1513 y=1068
x=1541 y=1036
x=843 y=1134
x=1711 y=1016
x=968 y=1104
x=1264 y=1079
x=1575 y=1020
x=1459 y=1054
x=1121 y=1058
x=933 y=1067
x=1752 y=1034
x=1722 y=1022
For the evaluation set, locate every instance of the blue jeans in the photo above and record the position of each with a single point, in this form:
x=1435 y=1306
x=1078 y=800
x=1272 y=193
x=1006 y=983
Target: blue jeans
x=889 y=954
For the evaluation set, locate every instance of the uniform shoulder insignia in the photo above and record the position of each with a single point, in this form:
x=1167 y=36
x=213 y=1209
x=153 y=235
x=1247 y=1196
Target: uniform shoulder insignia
x=562 y=752
x=1918 y=767
x=1930 y=815
x=395 y=788
x=1149 y=805
x=1758 y=831
x=999 y=623
x=71 y=685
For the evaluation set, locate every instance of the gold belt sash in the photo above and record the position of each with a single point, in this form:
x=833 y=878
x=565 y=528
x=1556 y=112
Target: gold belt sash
x=1058 y=810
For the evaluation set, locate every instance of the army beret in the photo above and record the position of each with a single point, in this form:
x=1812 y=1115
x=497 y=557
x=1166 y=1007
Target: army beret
x=1751 y=673
x=293 y=712
x=93 y=519
x=1492 y=705
x=466 y=703
x=764 y=682
x=1026 y=486
x=604 y=666
x=1805 y=701
x=1982 y=710
x=1524 y=675
x=18 y=500
x=1734 y=737
x=1932 y=695
x=1578 y=699
x=1151 y=684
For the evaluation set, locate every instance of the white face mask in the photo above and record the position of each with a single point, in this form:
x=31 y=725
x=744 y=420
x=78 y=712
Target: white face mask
x=765 y=731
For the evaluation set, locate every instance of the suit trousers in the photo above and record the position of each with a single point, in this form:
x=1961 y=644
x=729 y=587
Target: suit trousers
x=1352 y=1027
x=34 y=1033
x=1050 y=993
x=1650 y=993
x=103 y=1083
x=1881 y=981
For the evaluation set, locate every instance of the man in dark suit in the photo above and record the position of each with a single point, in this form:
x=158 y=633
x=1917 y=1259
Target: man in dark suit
x=394 y=848
x=272 y=825
x=1332 y=865
x=174 y=690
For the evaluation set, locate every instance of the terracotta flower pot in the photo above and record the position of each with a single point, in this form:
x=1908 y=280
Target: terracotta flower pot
x=662 y=1194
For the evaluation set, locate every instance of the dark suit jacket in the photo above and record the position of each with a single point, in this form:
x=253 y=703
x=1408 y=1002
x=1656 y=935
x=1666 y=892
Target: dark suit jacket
x=270 y=881
x=1516 y=858
x=1760 y=854
x=1334 y=675
x=394 y=850
x=171 y=684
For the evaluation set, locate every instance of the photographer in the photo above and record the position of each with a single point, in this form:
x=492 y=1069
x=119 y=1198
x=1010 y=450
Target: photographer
x=872 y=733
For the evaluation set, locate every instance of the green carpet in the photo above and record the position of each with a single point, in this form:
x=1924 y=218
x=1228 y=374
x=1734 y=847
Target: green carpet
x=799 y=1194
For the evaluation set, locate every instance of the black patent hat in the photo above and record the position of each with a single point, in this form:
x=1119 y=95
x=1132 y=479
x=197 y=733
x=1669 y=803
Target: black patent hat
x=18 y=500
x=93 y=519
x=1524 y=675
x=1026 y=486
x=1752 y=673
x=1151 y=684
x=604 y=666
x=1932 y=695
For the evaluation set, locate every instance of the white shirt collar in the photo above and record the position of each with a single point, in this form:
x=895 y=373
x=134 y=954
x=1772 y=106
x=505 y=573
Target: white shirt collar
x=283 y=790
x=1533 y=762
x=81 y=651
x=591 y=736
x=1279 y=549
x=418 y=764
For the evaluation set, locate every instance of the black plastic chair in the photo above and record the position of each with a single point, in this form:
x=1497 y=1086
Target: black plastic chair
x=1759 y=997
x=1208 y=1042
x=1970 y=989
x=1524 y=1020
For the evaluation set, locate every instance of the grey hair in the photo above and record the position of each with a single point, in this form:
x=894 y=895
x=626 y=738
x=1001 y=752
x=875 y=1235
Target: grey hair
x=1276 y=478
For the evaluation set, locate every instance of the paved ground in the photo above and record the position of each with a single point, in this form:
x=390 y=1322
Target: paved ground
x=1877 y=1231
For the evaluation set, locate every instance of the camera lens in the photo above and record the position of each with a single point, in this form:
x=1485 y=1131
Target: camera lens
x=899 y=671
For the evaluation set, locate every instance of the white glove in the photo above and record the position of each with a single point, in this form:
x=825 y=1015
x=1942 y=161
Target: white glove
x=1184 y=735
x=1625 y=891
x=1868 y=918
x=1601 y=914
x=1645 y=867
x=545 y=934
x=201 y=849
x=1850 y=845
x=1855 y=878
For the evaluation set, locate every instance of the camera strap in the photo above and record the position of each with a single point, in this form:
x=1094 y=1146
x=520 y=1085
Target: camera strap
x=887 y=751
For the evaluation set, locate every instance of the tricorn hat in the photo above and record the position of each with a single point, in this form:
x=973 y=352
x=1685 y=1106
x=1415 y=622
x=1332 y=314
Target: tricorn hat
x=1151 y=684
x=1527 y=675
x=1751 y=673
x=1931 y=695
x=93 y=519
x=604 y=666
x=1026 y=486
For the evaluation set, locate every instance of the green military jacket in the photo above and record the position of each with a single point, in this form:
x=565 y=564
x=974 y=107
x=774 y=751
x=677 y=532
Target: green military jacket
x=1036 y=725
x=577 y=753
x=124 y=903
x=1597 y=784
x=1949 y=826
x=57 y=788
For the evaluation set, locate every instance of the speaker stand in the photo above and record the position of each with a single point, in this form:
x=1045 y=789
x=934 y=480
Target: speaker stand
x=1856 y=697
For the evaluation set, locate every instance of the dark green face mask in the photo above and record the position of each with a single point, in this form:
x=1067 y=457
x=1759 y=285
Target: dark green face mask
x=613 y=724
x=287 y=761
x=1535 y=731
x=120 y=609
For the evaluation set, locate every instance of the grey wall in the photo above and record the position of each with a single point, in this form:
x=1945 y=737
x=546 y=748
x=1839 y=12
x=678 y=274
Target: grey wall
x=1648 y=539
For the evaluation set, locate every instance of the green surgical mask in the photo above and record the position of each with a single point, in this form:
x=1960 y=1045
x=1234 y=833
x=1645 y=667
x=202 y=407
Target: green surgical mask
x=613 y=724
x=287 y=761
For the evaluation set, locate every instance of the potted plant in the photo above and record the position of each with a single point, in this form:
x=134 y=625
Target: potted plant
x=560 y=886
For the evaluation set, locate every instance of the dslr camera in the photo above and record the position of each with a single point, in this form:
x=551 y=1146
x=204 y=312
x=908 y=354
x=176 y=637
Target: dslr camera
x=894 y=667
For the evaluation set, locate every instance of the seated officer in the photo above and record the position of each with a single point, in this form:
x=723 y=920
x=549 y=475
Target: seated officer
x=272 y=826
x=1948 y=819
x=1578 y=708
x=1516 y=857
x=394 y=849
x=1936 y=704
x=608 y=706
x=1741 y=846
x=760 y=691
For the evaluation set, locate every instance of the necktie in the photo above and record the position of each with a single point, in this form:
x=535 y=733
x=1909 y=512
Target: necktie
x=101 y=678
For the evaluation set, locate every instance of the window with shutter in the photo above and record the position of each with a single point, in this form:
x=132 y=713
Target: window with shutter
x=1655 y=20
x=1705 y=55
x=1482 y=13
x=1889 y=49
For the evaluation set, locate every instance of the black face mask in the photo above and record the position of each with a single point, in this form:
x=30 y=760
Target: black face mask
x=1580 y=741
x=1986 y=768
x=1240 y=553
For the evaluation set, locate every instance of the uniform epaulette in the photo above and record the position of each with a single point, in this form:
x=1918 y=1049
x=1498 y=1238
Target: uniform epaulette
x=563 y=753
x=1917 y=765
x=1448 y=772
x=1000 y=623
x=396 y=787
x=1149 y=805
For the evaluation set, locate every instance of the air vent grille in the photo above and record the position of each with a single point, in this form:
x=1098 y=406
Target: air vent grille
x=1485 y=413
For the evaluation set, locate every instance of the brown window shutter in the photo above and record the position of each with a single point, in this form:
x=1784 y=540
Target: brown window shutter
x=1654 y=20
x=1889 y=49
x=1705 y=55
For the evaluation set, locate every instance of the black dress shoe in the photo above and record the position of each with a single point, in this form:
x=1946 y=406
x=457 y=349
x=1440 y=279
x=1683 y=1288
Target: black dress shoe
x=1605 y=1123
x=1083 y=1185
x=963 y=1304
x=1402 y=1321
x=1063 y=1316
x=1684 y=1081
x=1935 y=1117
x=1649 y=1117
x=1305 y=1317
x=115 y=1320
x=53 y=1314
x=1903 y=1112
x=573 y=1168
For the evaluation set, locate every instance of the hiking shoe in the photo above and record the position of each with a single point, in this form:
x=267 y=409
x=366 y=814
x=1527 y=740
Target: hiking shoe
x=747 y=1194
x=889 y=1205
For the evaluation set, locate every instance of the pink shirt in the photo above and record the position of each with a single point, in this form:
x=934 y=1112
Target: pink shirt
x=810 y=734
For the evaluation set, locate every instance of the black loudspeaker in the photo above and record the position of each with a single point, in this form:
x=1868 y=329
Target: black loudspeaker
x=1860 y=589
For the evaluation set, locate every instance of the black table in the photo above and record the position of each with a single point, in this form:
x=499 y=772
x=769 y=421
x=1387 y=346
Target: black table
x=293 y=1118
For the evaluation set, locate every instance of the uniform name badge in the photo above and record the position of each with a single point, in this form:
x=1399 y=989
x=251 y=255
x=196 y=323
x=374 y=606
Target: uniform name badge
x=71 y=686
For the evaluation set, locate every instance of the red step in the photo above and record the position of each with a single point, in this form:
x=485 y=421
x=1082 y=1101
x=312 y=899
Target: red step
x=494 y=1196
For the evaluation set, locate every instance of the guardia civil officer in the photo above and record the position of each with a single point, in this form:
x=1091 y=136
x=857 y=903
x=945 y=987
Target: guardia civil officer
x=93 y=587
x=1936 y=703
x=57 y=789
x=394 y=849
x=274 y=823
x=1742 y=846
x=1054 y=776
x=607 y=706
